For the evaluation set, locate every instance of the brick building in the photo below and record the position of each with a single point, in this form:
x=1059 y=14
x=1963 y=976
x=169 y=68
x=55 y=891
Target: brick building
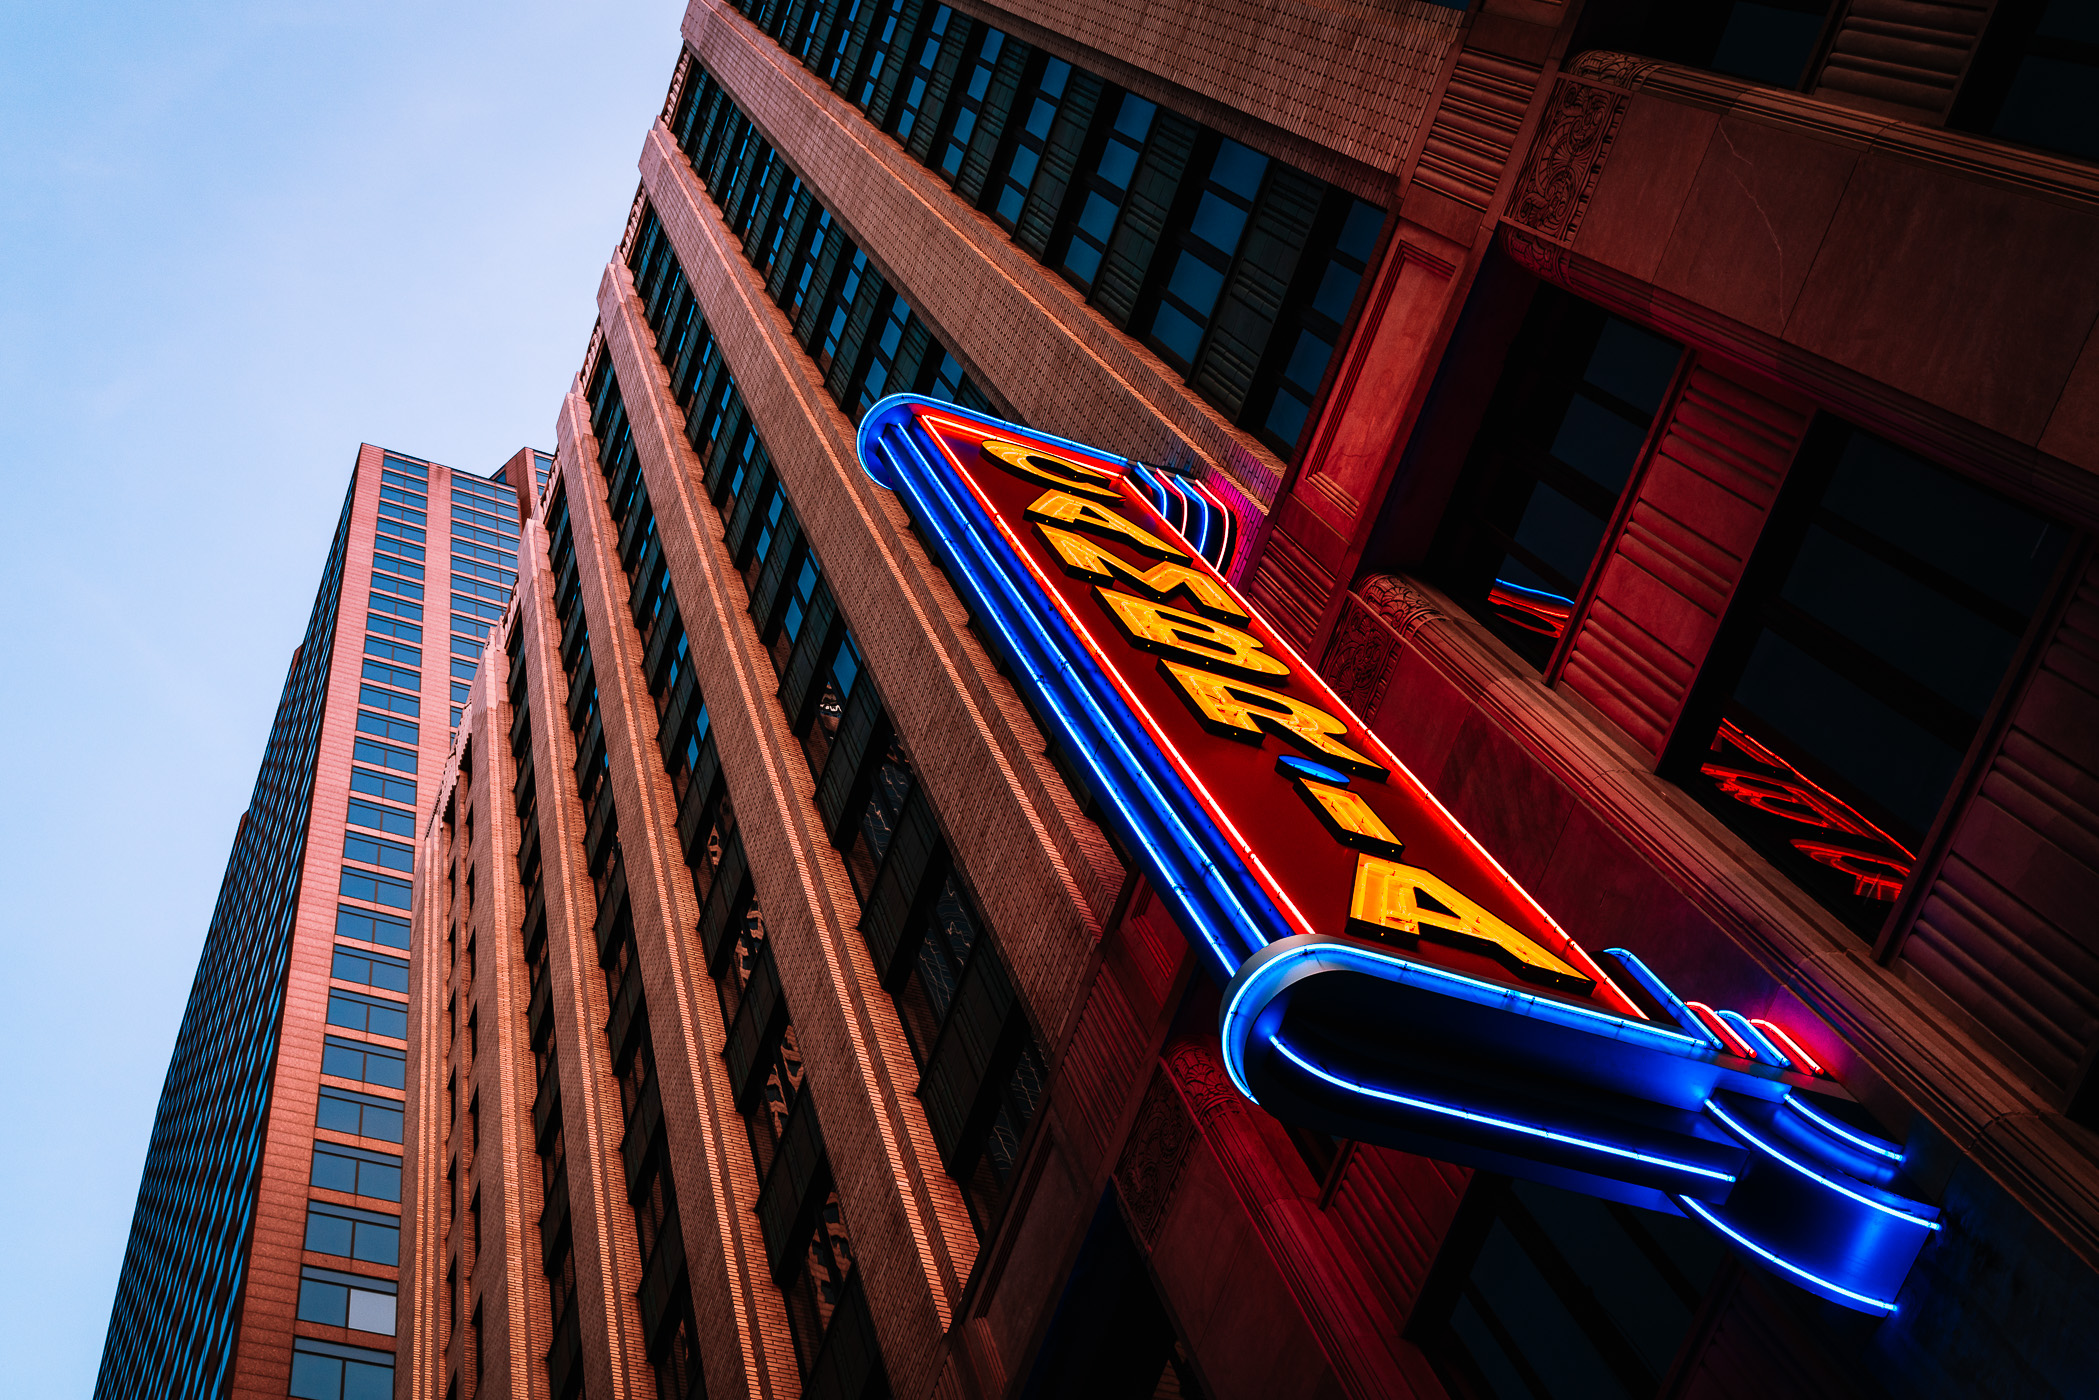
x=1669 y=426
x=264 y=1250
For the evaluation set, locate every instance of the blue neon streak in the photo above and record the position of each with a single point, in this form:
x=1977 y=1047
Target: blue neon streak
x=1305 y=767
x=1532 y=592
x=1881 y=1304
x=1765 y=1049
x=1739 y=1130
x=1876 y=1146
x=1509 y=1125
x=1671 y=1002
x=1006 y=607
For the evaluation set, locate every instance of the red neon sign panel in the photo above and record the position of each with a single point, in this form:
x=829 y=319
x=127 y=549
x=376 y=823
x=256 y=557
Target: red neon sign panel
x=1345 y=840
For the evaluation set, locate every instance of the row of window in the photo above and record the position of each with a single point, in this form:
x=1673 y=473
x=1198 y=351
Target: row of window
x=1236 y=269
x=557 y=1251
x=384 y=754
x=669 y=1326
x=328 y=1371
x=1879 y=613
x=809 y=1247
x=982 y=1068
x=393 y=625
x=864 y=335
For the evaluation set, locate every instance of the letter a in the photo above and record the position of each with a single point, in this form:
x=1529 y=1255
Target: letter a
x=1404 y=900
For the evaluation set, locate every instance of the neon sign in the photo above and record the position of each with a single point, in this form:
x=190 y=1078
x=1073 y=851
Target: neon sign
x=1385 y=979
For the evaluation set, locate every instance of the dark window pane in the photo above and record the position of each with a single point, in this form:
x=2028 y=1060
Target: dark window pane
x=1767 y=43
x=1862 y=679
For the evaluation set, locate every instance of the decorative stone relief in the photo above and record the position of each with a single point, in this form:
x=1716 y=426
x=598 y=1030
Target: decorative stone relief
x=1380 y=613
x=1151 y=1160
x=1566 y=159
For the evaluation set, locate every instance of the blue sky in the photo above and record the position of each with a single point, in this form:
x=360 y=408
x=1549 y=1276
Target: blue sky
x=235 y=241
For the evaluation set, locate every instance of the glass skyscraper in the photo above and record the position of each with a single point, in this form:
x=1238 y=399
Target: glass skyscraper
x=264 y=1248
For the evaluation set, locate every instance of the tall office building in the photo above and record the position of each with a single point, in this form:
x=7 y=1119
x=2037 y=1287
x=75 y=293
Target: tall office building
x=264 y=1248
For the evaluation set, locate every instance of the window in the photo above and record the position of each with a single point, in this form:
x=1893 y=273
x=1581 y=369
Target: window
x=381 y=819
x=1205 y=255
x=370 y=928
x=1104 y=188
x=2035 y=79
x=1220 y=259
x=353 y=1233
x=373 y=852
x=818 y=1286
x=969 y=103
x=325 y=1371
x=1772 y=42
x=346 y=1300
x=1539 y=1292
x=397 y=530
x=392 y=627
x=371 y=1015
x=380 y=603
x=1562 y=435
x=370 y=969
x=1851 y=685
x=387 y=583
x=353 y=1169
x=367 y=1064
x=376 y=888
x=495 y=593
x=388 y=700
x=1298 y=353
x=388 y=675
x=396 y=729
x=360 y=1115
x=1040 y=107
x=385 y=755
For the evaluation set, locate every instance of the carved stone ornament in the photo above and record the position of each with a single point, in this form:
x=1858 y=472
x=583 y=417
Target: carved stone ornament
x=1195 y=1066
x=1625 y=70
x=1151 y=1160
x=1406 y=608
x=1566 y=159
x=1380 y=613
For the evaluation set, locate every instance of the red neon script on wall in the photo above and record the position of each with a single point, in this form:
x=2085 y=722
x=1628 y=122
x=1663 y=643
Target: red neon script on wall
x=1877 y=863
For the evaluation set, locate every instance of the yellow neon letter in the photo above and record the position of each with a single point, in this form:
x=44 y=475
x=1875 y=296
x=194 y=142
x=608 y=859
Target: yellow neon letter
x=1060 y=472
x=1348 y=818
x=1084 y=559
x=1236 y=710
x=1171 y=632
x=1063 y=508
x=1405 y=900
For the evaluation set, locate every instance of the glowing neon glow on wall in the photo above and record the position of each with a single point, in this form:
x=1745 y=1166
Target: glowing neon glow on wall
x=1385 y=979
